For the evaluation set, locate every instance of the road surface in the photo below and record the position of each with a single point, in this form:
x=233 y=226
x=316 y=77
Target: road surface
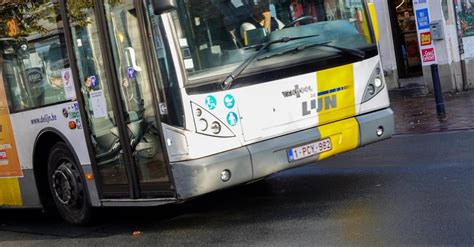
x=410 y=190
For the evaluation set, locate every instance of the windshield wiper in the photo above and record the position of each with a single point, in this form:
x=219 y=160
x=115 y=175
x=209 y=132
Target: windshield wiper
x=227 y=83
x=354 y=52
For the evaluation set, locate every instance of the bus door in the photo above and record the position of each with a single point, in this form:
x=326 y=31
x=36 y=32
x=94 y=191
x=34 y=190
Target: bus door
x=120 y=103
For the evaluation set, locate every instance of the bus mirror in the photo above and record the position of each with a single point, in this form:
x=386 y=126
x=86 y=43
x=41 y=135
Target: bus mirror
x=163 y=6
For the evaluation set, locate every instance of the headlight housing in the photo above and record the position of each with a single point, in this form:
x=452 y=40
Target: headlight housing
x=375 y=85
x=208 y=124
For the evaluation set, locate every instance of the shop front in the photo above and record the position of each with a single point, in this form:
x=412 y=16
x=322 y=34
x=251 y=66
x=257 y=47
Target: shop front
x=405 y=38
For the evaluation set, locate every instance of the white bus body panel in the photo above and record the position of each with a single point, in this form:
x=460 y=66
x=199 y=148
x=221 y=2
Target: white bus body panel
x=264 y=112
x=28 y=125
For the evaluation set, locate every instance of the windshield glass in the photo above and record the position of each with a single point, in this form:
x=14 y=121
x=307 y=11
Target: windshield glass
x=215 y=36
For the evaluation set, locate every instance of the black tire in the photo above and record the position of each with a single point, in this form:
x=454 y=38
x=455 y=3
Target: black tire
x=68 y=187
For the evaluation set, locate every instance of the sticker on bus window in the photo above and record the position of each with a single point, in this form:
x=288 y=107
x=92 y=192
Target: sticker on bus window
x=131 y=73
x=34 y=76
x=68 y=83
x=99 y=105
x=188 y=64
x=93 y=81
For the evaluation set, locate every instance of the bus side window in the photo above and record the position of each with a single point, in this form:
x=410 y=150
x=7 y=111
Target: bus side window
x=33 y=61
x=55 y=64
x=14 y=83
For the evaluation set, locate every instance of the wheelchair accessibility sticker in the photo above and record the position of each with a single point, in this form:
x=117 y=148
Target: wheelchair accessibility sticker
x=131 y=73
x=229 y=101
x=211 y=102
x=232 y=119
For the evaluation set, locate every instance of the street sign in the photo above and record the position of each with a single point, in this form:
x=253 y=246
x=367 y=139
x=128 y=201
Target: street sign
x=425 y=37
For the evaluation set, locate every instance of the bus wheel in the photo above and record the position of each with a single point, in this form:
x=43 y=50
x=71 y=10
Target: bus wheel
x=68 y=186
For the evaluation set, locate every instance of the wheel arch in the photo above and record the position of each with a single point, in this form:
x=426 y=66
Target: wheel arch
x=44 y=141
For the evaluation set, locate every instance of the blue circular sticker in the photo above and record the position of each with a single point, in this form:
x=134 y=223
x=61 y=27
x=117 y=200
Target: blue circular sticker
x=229 y=101
x=211 y=102
x=232 y=119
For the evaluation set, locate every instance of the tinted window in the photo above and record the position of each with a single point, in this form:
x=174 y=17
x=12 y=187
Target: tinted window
x=215 y=36
x=33 y=52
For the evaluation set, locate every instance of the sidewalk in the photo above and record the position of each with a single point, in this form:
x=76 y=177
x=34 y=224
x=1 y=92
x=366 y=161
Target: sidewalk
x=417 y=114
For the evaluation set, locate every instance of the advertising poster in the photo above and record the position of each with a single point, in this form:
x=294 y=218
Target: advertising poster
x=423 y=20
x=9 y=162
x=465 y=25
x=465 y=14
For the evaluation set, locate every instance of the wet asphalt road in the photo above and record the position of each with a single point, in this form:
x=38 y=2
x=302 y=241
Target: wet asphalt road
x=410 y=190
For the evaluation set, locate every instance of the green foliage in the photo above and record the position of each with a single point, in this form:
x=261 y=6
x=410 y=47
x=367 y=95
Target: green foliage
x=33 y=16
x=26 y=16
x=78 y=13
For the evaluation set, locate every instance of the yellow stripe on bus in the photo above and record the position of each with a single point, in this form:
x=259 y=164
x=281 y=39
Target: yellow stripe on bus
x=375 y=22
x=344 y=136
x=10 y=194
x=336 y=78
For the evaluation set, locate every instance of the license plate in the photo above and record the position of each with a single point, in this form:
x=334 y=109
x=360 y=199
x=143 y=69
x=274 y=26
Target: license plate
x=308 y=150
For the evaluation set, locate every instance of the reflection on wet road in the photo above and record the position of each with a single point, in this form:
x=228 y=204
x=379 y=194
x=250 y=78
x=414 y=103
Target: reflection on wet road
x=409 y=190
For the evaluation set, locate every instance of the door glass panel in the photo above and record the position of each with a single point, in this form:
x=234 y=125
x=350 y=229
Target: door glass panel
x=165 y=71
x=136 y=92
x=96 y=93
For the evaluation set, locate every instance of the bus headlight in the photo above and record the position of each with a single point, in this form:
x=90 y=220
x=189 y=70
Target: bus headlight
x=375 y=85
x=216 y=128
x=202 y=124
x=378 y=82
x=371 y=89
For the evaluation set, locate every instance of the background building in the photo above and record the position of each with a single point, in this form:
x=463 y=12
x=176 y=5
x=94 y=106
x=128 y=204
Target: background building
x=400 y=51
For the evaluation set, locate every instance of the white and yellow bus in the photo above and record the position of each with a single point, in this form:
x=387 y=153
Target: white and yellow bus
x=150 y=102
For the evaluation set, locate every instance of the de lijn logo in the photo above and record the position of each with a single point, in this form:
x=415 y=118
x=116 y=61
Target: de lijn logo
x=229 y=101
x=232 y=118
x=211 y=102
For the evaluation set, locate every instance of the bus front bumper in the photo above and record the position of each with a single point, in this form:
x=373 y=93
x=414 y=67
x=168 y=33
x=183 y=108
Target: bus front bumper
x=255 y=161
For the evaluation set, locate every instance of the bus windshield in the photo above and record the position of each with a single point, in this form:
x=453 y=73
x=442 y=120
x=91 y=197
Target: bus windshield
x=215 y=36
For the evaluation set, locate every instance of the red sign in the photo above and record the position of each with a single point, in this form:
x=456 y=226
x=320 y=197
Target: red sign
x=428 y=55
x=425 y=38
